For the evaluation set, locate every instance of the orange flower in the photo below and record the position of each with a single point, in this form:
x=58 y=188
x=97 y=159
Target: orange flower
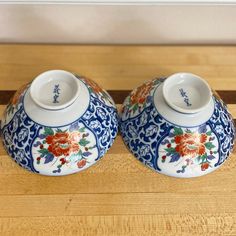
x=140 y=94
x=17 y=94
x=191 y=144
x=74 y=136
x=61 y=144
x=96 y=88
x=81 y=163
x=204 y=166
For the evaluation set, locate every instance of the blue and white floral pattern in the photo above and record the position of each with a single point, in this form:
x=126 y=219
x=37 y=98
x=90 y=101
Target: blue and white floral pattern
x=162 y=146
x=60 y=150
x=223 y=125
x=18 y=136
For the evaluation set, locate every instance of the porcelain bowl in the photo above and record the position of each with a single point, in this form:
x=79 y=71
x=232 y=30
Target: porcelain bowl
x=59 y=124
x=177 y=126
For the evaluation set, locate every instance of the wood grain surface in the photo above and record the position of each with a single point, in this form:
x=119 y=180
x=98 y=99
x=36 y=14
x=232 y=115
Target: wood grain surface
x=118 y=195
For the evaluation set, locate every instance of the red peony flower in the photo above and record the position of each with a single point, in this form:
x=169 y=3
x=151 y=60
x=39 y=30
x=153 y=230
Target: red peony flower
x=204 y=166
x=140 y=94
x=191 y=144
x=96 y=88
x=18 y=94
x=62 y=144
x=81 y=163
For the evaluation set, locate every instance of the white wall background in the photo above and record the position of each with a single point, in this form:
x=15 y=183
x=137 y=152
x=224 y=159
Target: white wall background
x=74 y=23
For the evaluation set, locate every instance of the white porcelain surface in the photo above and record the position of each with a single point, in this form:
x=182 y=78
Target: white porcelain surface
x=171 y=115
x=186 y=93
x=54 y=115
x=55 y=90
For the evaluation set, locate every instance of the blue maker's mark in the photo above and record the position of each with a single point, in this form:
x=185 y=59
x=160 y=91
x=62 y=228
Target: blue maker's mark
x=185 y=96
x=56 y=92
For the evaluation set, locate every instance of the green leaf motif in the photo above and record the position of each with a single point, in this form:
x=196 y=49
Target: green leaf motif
x=92 y=147
x=83 y=142
x=48 y=131
x=82 y=129
x=209 y=145
x=203 y=157
x=43 y=151
x=178 y=131
x=90 y=90
x=135 y=108
x=60 y=131
x=208 y=133
x=170 y=150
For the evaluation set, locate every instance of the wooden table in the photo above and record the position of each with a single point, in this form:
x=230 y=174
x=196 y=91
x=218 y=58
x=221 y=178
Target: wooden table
x=117 y=196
